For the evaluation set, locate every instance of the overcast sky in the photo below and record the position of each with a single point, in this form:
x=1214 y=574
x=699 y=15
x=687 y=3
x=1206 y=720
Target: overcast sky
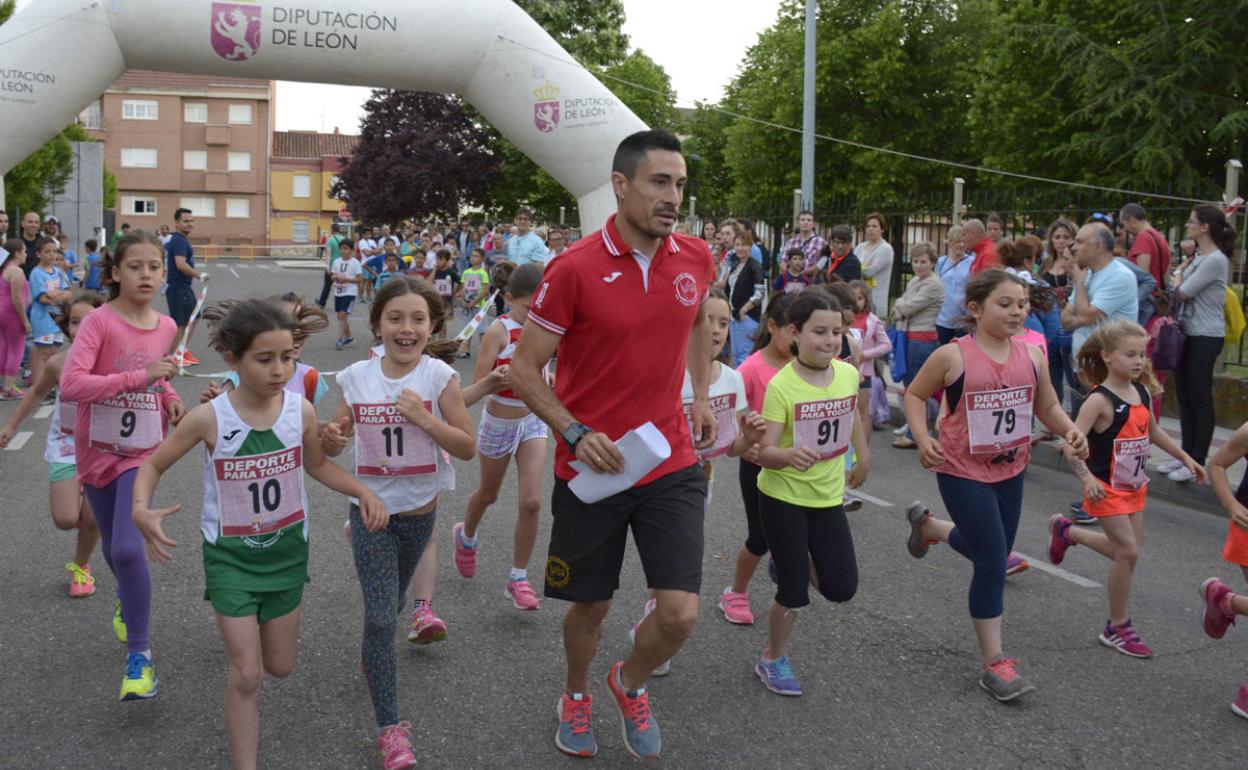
x=699 y=42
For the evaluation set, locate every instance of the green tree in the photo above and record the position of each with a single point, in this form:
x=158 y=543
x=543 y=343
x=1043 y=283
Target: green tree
x=1148 y=96
x=645 y=88
x=890 y=73
x=31 y=184
x=710 y=177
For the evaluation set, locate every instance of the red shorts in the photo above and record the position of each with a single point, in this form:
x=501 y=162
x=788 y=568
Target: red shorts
x=1236 y=548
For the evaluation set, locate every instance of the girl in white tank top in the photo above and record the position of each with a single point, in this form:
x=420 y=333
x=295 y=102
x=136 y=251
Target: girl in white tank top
x=404 y=410
x=258 y=440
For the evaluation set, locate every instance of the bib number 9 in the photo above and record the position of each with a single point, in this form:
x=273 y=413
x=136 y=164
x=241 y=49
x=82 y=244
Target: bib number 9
x=128 y=421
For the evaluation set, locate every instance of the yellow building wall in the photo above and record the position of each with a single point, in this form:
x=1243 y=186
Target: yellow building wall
x=282 y=191
x=329 y=203
x=282 y=226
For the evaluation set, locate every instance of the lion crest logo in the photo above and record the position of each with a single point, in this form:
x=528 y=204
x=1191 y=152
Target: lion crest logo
x=235 y=30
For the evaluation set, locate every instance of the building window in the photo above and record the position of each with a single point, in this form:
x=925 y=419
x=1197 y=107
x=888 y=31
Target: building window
x=303 y=186
x=138 y=157
x=200 y=207
x=240 y=114
x=238 y=208
x=299 y=230
x=195 y=112
x=194 y=160
x=140 y=109
x=91 y=116
x=240 y=161
x=132 y=205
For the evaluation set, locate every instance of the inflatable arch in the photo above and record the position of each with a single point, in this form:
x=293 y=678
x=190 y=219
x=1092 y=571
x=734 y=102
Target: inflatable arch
x=57 y=56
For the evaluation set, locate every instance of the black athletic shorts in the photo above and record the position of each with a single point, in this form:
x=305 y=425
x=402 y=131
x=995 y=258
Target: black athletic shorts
x=587 y=540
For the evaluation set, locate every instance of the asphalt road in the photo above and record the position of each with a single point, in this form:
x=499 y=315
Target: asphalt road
x=889 y=677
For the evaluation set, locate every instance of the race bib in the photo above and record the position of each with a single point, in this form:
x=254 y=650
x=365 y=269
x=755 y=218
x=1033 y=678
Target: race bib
x=68 y=413
x=386 y=444
x=260 y=494
x=824 y=426
x=725 y=409
x=443 y=285
x=1130 y=458
x=127 y=425
x=793 y=287
x=472 y=284
x=999 y=420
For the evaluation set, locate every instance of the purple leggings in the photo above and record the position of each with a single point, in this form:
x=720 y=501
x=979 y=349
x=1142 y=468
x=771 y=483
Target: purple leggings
x=12 y=344
x=125 y=553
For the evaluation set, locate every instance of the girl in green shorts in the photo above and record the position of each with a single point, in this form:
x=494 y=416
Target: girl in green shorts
x=260 y=438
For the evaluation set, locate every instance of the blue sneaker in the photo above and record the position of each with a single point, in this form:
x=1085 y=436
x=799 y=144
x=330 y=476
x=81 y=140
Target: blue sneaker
x=777 y=675
x=575 y=736
x=140 y=681
x=1079 y=516
x=641 y=732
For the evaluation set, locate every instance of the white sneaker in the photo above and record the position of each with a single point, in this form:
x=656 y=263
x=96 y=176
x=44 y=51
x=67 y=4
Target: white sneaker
x=1181 y=475
x=901 y=431
x=1170 y=466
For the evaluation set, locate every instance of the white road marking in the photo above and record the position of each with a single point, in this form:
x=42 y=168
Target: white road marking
x=44 y=412
x=858 y=493
x=1078 y=580
x=19 y=441
x=235 y=272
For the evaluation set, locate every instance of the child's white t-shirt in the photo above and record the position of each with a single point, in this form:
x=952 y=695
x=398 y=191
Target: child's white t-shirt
x=352 y=269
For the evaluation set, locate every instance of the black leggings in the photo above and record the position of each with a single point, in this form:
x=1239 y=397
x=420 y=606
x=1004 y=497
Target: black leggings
x=325 y=287
x=1193 y=387
x=799 y=536
x=755 y=540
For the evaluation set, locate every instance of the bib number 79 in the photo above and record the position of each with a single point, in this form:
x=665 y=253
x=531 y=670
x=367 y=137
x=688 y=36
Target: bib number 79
x=1006 y=418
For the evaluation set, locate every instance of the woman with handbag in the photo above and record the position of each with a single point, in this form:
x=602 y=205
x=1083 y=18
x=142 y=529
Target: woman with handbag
x=1201 y=287
x=916 y=312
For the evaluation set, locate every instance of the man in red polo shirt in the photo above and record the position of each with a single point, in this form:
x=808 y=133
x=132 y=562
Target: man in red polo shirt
x=978 y=241
x=623 y=306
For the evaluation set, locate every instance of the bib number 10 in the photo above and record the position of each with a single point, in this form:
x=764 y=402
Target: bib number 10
x=266 y=497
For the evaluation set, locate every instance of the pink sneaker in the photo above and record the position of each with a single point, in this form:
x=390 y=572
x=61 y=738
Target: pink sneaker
x=522 y=595
x=81 y=583
x=426 y=627
x=1216 y=619
x=1124 y=639
x=395 y=745
x=1059 y=525
x=1015 y=564
x=465 y=557
x=736 y=607
x=1240 y=704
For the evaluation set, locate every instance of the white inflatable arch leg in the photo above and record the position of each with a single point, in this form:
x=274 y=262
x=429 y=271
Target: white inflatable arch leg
x=57 y=56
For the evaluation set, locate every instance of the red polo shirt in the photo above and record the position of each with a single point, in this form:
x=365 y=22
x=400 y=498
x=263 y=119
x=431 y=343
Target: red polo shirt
x=622 y=352
x=985 y=256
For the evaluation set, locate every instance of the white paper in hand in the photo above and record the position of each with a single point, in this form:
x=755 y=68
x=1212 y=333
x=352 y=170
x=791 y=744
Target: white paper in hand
x=643 y=449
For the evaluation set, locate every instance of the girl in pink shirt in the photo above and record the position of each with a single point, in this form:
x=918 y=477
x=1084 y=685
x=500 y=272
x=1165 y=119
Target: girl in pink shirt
x=772 y=350
x=994 y=383
x=118 y=373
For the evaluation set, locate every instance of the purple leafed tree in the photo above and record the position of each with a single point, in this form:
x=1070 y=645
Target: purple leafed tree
x=419 y=155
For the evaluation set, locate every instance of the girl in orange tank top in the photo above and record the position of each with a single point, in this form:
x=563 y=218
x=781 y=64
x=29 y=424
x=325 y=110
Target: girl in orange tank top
x=993 y=384
x=1116 y=416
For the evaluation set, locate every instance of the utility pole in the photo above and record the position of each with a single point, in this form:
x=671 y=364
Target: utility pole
x=808 y=112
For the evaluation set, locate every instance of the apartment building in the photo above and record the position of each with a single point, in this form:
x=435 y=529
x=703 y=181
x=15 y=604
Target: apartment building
x=198 y=142
x=305 y=165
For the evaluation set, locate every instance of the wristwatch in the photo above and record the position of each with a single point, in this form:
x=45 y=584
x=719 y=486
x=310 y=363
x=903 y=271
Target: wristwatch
x=574 y=433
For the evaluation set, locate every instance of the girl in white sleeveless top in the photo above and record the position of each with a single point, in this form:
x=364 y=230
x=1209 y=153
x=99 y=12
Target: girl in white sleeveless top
x=404 y=410
x=258 y=441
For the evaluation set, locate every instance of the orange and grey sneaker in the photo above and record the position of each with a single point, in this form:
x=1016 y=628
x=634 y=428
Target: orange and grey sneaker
x=575 y=735
x=1002 y=680
x=81 y=583
x=641 y=732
